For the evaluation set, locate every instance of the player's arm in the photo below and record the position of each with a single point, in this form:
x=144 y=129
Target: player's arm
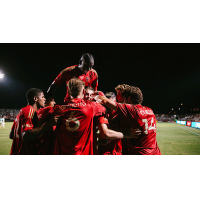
x=52 y=89
x=107 y=133
x=59 y=80
x=36 y=132
x=106 y=102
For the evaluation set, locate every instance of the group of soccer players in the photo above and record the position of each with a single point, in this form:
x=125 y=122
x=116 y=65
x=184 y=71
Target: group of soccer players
x=87 y=122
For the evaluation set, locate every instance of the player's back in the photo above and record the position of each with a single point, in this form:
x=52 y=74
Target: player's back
x=75 y=135
x=141 y=117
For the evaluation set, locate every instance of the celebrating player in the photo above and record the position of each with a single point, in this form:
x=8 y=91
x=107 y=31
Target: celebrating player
x=75 y=135
x=134 y=115
x=83 y=71
x=25 y=130
x=112 y=147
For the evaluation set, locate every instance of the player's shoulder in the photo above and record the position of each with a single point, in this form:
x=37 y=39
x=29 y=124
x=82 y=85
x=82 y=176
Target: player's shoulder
x=71 y=68
x=144 y=110
x=94 y=72
x=28 y=111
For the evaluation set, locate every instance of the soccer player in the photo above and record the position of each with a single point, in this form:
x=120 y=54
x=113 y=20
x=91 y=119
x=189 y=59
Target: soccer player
x=75 y=134
x=2 y=122
x=49 y=101
x=113 y=147
x=25 y=130
x=134 y=115
x=97 y=120
x=83 y=71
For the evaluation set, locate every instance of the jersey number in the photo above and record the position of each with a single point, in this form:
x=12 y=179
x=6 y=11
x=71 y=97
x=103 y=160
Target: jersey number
x=151 y=127
x=70 y=119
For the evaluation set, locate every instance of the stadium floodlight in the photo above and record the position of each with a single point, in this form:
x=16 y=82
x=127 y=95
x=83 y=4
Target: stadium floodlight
x=1 y=75
x=172 y=109
x=179 y=108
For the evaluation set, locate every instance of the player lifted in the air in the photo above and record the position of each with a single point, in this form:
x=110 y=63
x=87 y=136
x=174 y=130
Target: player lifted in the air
x=83 y=71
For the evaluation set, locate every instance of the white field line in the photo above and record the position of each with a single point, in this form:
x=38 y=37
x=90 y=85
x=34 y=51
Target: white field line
x=4 y=137
x=189 y=130
x=3 y=134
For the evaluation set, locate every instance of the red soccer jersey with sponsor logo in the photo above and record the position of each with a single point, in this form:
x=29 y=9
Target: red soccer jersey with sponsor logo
x=138 y=116
x=75 y=135
x=115 y=146
x=90 y=78
x=47 y=139
x=25 y=120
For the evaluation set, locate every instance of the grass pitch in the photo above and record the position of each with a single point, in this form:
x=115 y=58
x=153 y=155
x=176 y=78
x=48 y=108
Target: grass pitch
x=5 y=142
x=173 y=139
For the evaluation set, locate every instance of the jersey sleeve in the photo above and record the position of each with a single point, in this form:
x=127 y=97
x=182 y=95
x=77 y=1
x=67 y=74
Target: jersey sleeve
x=98 y=109
x=64 y=75
x=102 y=120
x=94 y=84
x=125 y=110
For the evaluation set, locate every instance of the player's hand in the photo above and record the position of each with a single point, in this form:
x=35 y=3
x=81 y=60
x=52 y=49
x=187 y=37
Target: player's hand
x=133 y=133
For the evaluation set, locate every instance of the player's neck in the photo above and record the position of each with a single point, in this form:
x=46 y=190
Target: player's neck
x=34 y=106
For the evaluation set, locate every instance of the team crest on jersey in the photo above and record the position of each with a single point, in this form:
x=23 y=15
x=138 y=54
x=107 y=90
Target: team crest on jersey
x=87 y=79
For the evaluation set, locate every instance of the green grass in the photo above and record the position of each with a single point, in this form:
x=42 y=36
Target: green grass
x=171 y=138
x=5 y=142
x=174 y=140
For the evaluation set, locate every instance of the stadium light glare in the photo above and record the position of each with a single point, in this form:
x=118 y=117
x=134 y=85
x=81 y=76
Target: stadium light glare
x=172 y=109
x=179 y=108
x=1 y=75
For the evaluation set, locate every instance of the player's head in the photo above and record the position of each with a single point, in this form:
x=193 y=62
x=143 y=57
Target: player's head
x=119 y=89
x=88 y=91
x=49 y=100
x=76 y=87
x=87 y=61
x=111 y=95
x=35 y=96
x=132 y=95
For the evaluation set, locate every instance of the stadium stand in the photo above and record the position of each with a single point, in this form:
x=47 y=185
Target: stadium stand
x=9 y=114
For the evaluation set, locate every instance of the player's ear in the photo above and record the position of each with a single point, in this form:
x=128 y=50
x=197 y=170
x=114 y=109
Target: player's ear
x=35 y=98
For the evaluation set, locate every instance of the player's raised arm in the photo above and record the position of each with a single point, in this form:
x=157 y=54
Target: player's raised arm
x=105 y=101
x=52 y=88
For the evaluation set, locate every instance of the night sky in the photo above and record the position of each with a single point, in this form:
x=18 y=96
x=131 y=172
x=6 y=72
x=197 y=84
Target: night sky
x=167 y=74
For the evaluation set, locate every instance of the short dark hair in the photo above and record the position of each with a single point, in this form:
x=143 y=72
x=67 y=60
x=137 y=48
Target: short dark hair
x=33 y=92
x=88 y=57
x=134 y=92
x=110 y=95
x=74 y=86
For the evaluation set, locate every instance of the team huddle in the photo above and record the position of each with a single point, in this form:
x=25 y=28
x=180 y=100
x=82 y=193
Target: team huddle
x=88 y=122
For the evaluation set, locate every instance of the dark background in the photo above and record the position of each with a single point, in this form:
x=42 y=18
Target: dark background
x=167 y=74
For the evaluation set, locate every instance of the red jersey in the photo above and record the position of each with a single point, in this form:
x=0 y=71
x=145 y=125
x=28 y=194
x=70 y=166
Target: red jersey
x=47 y=139
x=115 y=146
x=75 y=135
x=138 y=116
x=25 y=120
x=90 y=78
